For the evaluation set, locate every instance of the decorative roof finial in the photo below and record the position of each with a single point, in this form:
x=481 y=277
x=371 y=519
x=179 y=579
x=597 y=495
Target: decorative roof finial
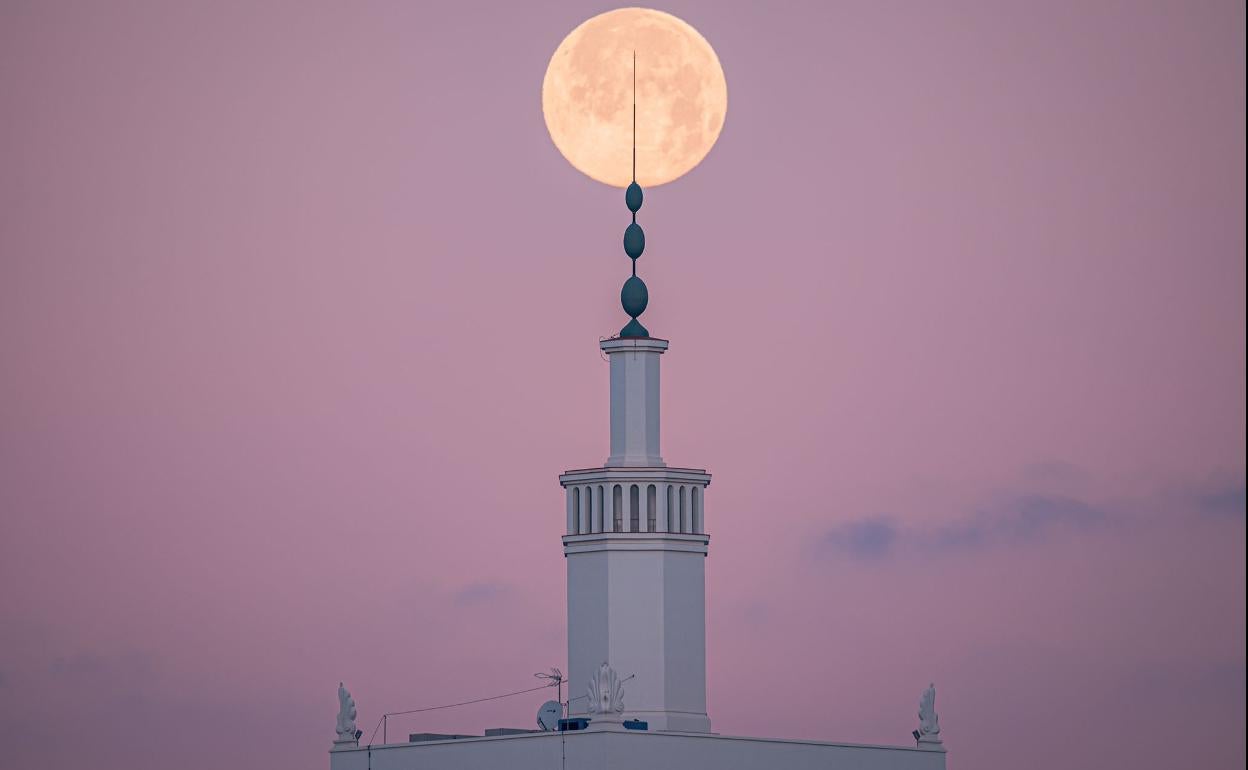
x=634 y=296
x=928 y=734
x=347 y=733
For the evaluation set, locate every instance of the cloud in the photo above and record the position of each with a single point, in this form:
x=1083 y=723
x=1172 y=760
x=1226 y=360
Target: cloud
x=1021 y=520
x=125 y=714
x=479 y=593
x=1224 y=501
x=1057 y=472
x=88 y=667
x=82 y=664
x=1025 y=519
x=1186 y=680
x=870 y=538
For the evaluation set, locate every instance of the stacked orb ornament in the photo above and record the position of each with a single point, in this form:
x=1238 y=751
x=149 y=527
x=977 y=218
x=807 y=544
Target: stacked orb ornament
x=634 y=296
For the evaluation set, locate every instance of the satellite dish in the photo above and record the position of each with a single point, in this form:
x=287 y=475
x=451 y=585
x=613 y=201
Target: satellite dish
x=549 y=714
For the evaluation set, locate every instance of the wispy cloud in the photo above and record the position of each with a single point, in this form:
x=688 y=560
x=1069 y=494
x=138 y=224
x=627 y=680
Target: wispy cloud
x=871 y=538
x=1225 y=500
x=90 y=665
x=1033 y=517
x=479 y=593
x=1022 y=520
x=1055 y=472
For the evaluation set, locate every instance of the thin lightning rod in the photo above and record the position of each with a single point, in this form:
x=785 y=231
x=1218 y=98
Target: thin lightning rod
x=634 y=115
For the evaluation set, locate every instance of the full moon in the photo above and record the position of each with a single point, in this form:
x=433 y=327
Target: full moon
x=587 y=97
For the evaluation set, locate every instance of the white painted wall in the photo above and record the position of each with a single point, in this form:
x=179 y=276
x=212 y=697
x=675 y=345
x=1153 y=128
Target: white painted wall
x=638 y=602
x=629 y=750
x=634 y=401
x=684 y=642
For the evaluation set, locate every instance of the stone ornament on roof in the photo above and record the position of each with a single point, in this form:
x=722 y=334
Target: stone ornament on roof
x=606 y=692
x=929 y=723
x=346 y=717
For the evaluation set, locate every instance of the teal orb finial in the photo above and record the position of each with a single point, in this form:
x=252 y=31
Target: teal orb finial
x=634 y=329
x=634 y=240
x=633 y=197
x=634 y=296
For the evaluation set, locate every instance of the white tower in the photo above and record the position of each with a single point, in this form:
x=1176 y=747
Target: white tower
x=636 y=542
x=635 y=546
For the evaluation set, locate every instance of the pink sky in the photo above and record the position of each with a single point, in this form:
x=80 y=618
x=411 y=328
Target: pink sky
x=299 y=312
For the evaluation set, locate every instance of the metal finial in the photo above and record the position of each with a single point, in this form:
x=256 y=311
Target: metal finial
x=634 y=296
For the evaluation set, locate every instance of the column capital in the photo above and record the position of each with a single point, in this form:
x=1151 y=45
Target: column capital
x=637 y=344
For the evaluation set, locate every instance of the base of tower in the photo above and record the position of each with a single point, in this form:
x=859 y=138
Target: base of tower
x=657 y=721
x=674 y=721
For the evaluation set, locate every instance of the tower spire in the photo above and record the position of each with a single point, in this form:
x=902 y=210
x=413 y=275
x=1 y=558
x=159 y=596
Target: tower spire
x=634 y=296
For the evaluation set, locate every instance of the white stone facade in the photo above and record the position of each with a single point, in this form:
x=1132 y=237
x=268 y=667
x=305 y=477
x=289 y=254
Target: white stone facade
x=628 y=750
